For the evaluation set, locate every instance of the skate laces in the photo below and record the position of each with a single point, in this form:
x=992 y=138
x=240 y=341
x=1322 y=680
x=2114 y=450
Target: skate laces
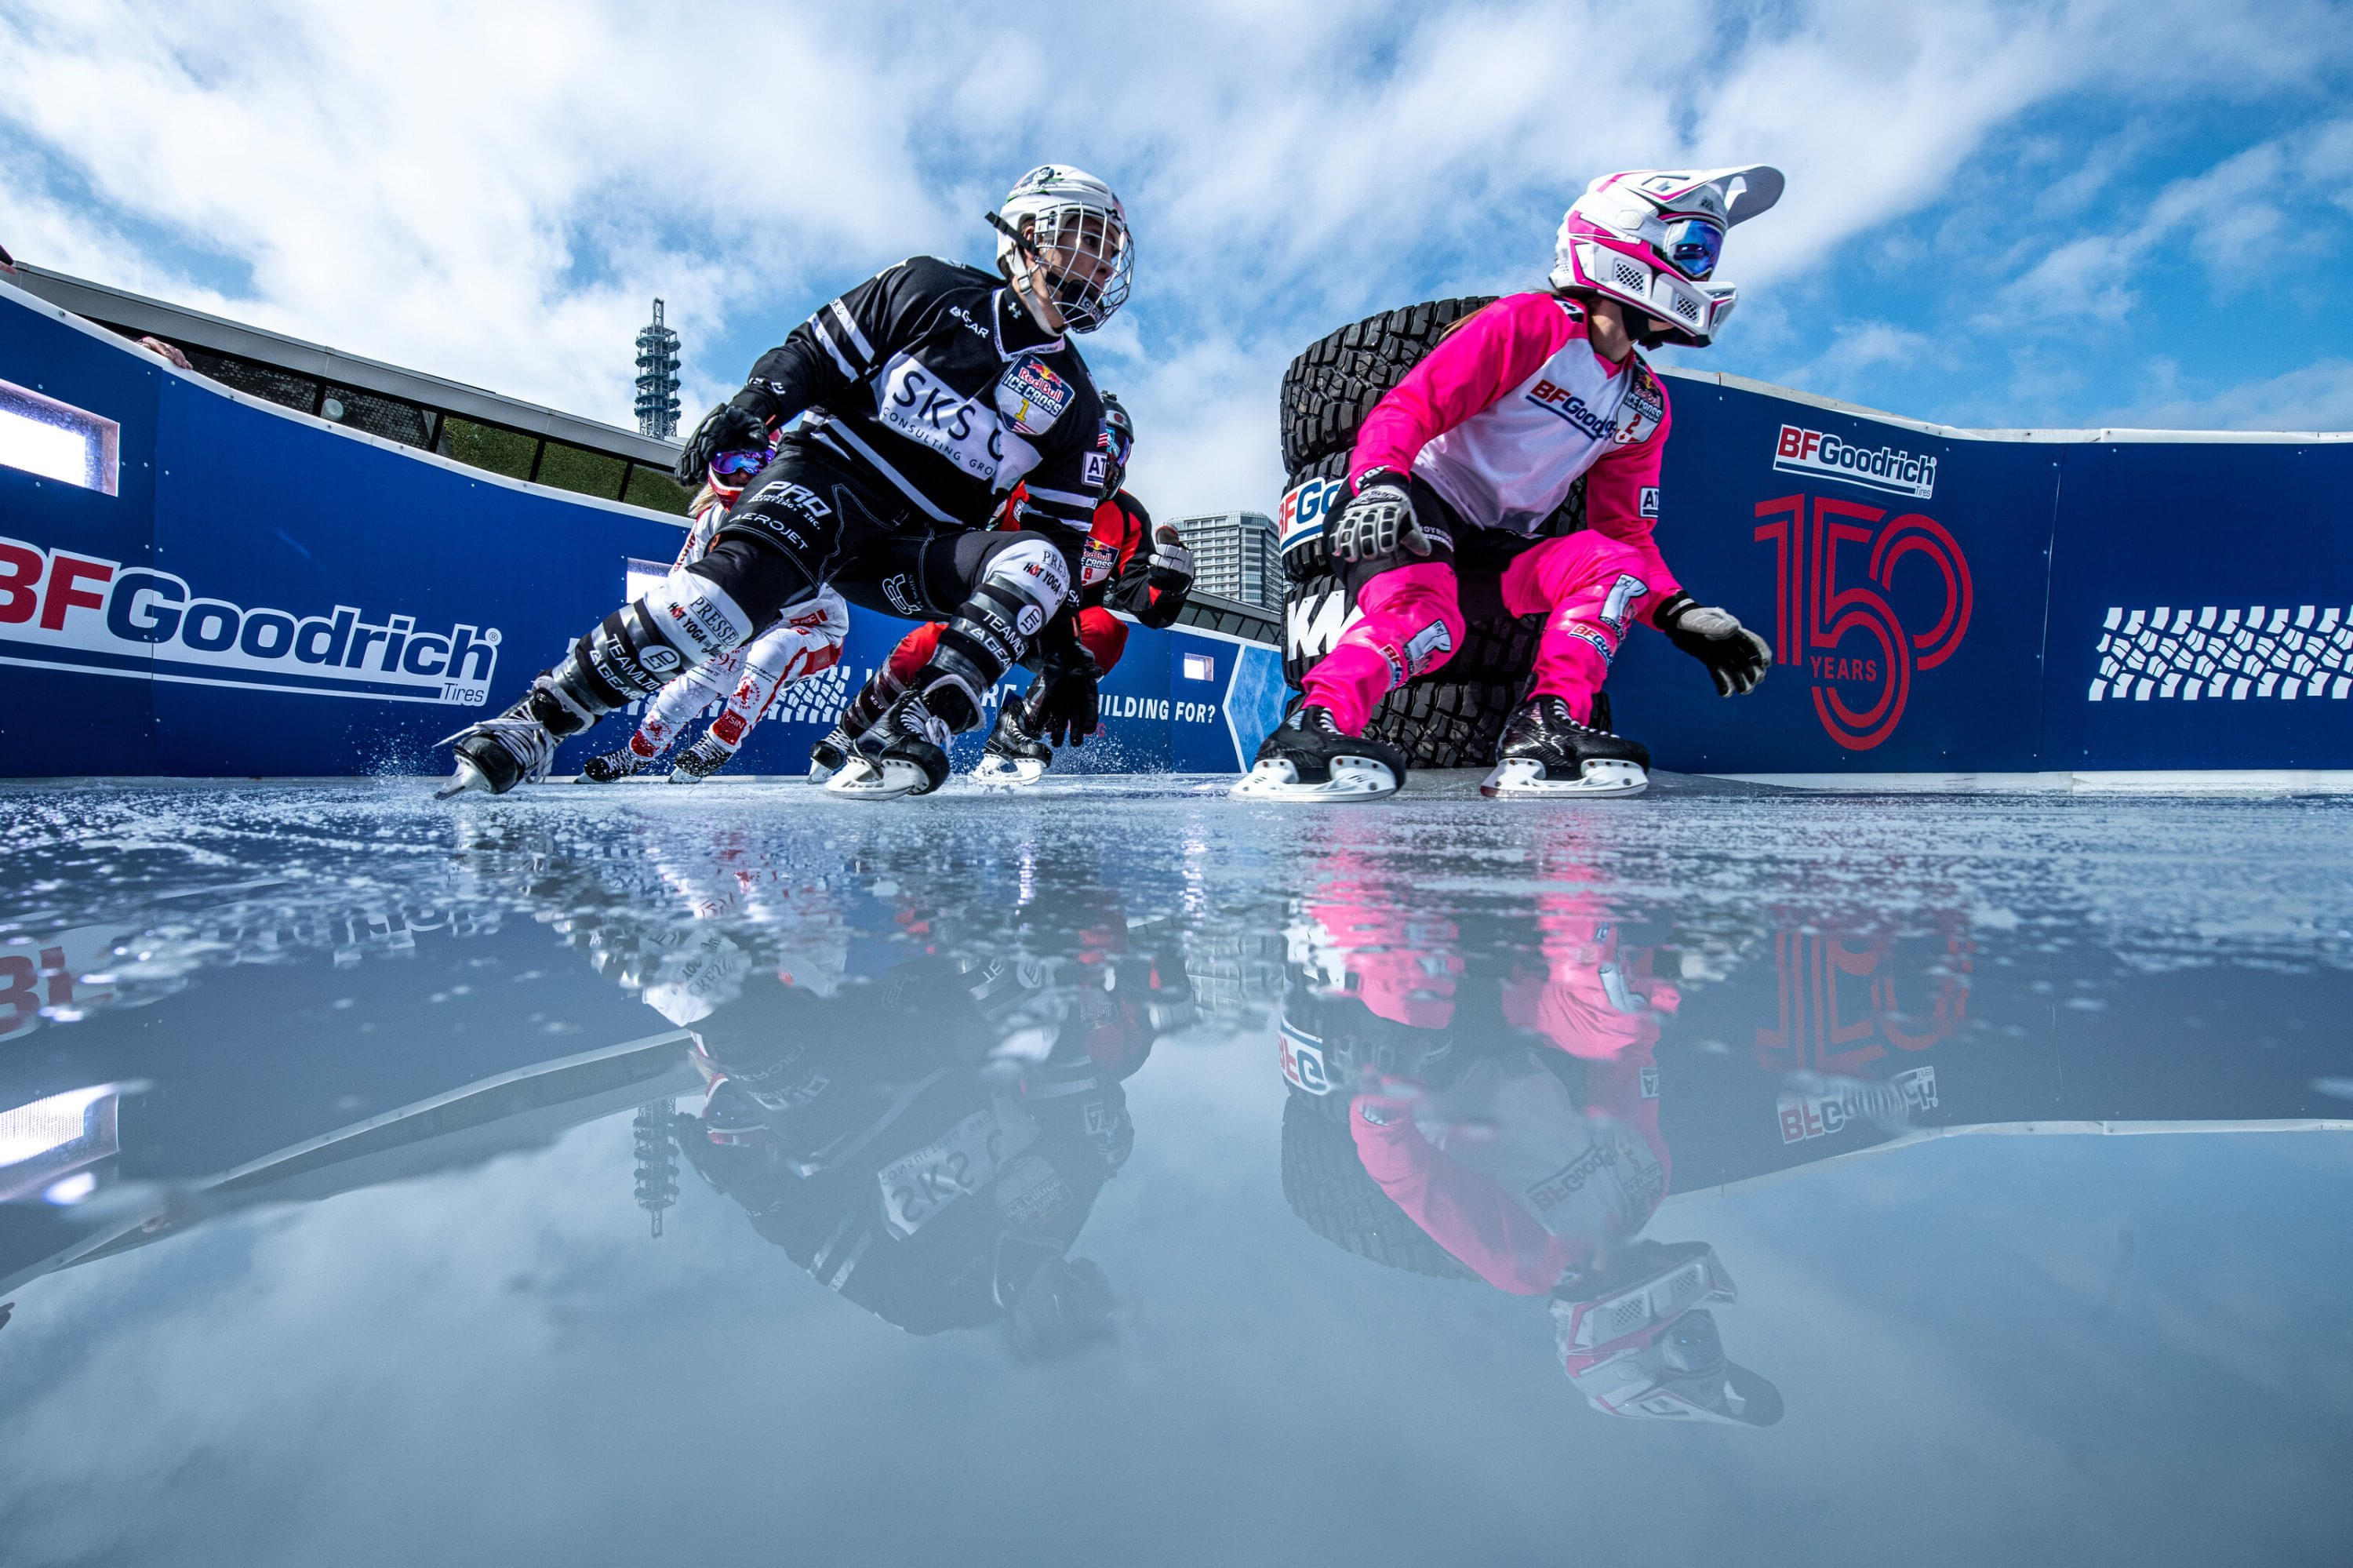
x=525 y=739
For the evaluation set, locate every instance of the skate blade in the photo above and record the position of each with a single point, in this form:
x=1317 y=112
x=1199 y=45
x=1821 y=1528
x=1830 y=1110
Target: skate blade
x=863 y=780
x=1353 y=778
x=1008 y=772
x=818 y=773
x=468 y=777
x=1522 y=779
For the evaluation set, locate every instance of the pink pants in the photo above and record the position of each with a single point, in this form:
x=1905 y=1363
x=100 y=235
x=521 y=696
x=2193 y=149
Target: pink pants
x=1590 y=586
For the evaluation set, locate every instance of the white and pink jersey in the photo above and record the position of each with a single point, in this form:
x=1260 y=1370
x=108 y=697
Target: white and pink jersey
x=1504 y=413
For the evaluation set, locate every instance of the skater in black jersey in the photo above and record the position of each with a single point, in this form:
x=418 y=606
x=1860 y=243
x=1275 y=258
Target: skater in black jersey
x=929 y=392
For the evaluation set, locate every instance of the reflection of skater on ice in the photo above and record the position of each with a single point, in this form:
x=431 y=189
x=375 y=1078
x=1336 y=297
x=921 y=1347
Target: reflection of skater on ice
x=1512 y=1121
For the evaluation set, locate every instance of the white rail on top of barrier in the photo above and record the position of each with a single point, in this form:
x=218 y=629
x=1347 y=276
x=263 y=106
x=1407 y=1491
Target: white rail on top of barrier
x=1956 y=433
x=2111 y=781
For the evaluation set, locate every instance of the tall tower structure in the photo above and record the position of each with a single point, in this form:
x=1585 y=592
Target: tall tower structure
x=658 y=378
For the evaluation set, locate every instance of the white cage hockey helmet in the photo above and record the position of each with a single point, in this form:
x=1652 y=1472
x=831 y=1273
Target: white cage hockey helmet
x=1650 y=239
x=1079 y=230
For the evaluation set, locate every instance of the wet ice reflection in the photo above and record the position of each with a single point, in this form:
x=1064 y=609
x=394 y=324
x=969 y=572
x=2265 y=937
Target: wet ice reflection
x=1248 y=1117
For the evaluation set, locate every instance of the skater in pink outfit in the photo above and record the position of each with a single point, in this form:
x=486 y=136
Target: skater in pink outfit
x=1488 y=433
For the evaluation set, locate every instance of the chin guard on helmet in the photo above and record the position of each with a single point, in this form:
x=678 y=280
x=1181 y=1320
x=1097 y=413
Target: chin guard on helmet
x=1638 y=1340
x=1651 y=238
x=1069 y=223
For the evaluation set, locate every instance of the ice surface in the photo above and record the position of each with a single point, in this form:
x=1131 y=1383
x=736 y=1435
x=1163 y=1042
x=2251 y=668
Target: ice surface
x=1109 y=1172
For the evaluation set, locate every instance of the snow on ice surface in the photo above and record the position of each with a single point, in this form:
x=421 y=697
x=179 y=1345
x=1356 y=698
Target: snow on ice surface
x=371 y=1228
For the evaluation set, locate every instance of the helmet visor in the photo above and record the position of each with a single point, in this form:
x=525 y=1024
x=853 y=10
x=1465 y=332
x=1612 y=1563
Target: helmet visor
x=1692 y=245
x=1116 y=442
x=1087 y=257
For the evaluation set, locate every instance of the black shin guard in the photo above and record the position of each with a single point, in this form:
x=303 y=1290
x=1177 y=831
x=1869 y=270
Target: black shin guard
x=981 y=641
x=623 y=659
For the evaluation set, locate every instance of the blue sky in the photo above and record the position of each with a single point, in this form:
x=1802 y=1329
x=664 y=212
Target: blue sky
x=1997 y=215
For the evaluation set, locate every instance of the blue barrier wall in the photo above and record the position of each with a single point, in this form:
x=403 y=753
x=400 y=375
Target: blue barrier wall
x=269 y=594
x=1949 y=601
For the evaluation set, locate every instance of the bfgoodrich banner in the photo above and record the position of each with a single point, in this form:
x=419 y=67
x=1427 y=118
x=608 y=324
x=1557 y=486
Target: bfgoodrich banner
x=266 y=594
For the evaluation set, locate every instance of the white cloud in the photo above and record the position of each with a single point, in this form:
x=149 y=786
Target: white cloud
x=494 y=193
x=2319 y=397
x=2242 y=220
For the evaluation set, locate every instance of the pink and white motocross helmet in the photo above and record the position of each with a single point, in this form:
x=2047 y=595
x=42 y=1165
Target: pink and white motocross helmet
x=1650 y=239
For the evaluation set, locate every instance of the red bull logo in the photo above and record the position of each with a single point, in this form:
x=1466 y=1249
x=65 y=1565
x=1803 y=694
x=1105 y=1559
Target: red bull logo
x=1834 y=564
x=62 y=610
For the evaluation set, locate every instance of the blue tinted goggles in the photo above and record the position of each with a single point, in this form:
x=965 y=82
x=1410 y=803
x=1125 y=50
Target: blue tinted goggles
x=742 y=464
x=1116 y=442
x=1692 y=245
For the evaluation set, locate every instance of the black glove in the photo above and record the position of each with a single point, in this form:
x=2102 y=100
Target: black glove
x=1064 y=704
x=1377 y=520
x=1170 y=564
x=1736 y=657
x=729 y=427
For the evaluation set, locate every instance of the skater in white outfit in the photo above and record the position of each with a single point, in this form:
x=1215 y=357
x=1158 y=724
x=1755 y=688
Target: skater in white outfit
x=804 y=641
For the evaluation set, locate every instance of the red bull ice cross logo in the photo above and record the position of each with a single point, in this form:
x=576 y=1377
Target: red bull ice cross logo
x=1834 y=564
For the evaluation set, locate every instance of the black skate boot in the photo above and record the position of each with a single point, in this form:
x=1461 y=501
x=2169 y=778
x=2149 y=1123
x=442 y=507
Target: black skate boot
x=700 y=761
x=515 y=748
x=906 y=754
x=865 y=712
x=1016 y=756
x=1546 y=755
x=613 y=765
x=1307 y=759
x=828 y=755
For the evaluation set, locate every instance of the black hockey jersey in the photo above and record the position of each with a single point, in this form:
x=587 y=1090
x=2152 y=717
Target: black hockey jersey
x=934 y=376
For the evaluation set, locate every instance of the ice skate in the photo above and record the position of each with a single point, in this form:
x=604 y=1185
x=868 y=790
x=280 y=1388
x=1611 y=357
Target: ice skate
x=496 y=754
x=1015 y=757
x=906 y=754
x=700 y=761
x=1546 y=755
x=613 y=766
x=828 y=755
x=1307 y=759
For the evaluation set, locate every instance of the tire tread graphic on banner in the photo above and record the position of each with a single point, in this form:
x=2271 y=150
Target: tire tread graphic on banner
x=2216 y=652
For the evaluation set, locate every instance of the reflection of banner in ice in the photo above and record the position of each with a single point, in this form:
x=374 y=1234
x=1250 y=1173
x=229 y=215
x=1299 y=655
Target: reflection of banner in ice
x=1840 y=1006
x=1832 y=1105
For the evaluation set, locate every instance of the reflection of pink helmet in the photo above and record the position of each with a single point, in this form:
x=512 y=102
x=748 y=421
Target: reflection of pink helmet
x=1638 y=1340
x=1651 y=238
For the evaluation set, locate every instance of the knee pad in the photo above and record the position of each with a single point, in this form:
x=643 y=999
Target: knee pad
x=638 y=649
x=697 y=617
x=1033 y=569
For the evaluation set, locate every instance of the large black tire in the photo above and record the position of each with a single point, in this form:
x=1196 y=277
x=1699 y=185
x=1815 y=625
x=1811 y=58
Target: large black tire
x=1330 y=389
x=1446 y=724
x=1452 y=716
x=1333 y=1194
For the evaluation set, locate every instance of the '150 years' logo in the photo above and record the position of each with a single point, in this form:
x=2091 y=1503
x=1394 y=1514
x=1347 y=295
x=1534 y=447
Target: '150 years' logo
x=1834 y=564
